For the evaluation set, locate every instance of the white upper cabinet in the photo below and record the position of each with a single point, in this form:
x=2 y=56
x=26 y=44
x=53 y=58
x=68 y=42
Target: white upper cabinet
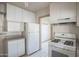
x=2 y=7
x=63 y=12
x=19 y=15
x=28 y=16
x=15 y=26
x=11 y=13
x=14 y=13
x=77 y=13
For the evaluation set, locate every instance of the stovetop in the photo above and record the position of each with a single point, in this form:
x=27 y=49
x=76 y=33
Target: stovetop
x=69 y=43
x=66 y=42
x=56 y=40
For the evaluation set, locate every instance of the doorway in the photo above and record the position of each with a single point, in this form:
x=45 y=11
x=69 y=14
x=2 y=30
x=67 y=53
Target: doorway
x=45 y=29
x=45 y=32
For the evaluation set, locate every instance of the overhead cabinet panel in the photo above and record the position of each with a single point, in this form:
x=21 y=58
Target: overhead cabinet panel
x=17 y=14
x=15 y=26
x=11 y=13
x=59 y=11
x=1 y=19
x=2 y=7
x=24 y=16
x=14 y=13
x=28 y=16
x=1 y=22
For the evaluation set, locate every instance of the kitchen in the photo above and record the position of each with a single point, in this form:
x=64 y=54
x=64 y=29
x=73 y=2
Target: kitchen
x=22 y=30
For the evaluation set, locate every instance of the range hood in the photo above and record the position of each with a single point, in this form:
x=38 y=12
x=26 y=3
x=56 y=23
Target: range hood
x=65 y=20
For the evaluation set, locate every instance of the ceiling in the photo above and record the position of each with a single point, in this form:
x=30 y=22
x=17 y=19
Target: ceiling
x=32 y=6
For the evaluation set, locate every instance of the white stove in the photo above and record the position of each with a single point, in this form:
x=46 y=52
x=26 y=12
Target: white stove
x=64 y=44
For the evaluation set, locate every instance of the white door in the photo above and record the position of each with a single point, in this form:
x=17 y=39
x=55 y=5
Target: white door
x=33 y=38
x=45 y=32
x=12 y=48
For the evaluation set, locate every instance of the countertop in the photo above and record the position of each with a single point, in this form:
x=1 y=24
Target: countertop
x=11 y=35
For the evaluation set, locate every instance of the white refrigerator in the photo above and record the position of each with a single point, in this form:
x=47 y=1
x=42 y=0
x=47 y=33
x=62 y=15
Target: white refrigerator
x=32 y=38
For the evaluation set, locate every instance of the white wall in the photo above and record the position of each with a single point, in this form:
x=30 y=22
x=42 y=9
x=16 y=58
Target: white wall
x=45 y=20
x=42 y=12
x=68 y=28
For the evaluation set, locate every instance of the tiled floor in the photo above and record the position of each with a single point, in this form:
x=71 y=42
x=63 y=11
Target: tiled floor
x=43 y=52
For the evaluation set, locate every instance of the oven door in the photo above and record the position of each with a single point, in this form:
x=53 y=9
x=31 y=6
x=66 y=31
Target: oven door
x=58 y=54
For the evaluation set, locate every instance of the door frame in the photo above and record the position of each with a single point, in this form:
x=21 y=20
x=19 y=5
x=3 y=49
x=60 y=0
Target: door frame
x=40 y=29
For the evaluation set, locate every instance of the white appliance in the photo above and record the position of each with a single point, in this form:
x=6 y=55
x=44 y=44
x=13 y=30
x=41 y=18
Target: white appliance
x=63 y=45
x=32 y=38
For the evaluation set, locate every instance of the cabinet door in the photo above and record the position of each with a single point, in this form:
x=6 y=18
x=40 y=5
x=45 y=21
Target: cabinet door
x=14 y=13
x=11 y=13
x=24 y=15
x=12 y=48
x=62 y=10
x=1 y=46
x=18 y=14
x=28 y=16
x=21 y=47
x=77 y=13
x=68 y=10
x=15 y=26
x=1 y=22
x=2 y=7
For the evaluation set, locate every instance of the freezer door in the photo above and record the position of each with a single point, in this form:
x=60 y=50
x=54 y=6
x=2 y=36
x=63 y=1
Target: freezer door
x=32 y=27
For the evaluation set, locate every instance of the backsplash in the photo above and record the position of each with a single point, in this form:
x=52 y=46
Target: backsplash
x=66 y=28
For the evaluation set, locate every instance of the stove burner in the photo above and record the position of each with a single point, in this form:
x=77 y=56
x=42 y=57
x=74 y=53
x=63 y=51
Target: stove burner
x=56 y=40
x=70 y=43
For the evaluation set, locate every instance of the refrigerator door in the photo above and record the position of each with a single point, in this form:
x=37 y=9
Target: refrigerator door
x=32 y=27
x=33 y=38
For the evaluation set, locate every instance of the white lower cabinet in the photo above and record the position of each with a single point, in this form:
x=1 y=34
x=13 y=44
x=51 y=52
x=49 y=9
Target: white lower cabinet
x=16 y=47
x=12 y=48
x=21 y=47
